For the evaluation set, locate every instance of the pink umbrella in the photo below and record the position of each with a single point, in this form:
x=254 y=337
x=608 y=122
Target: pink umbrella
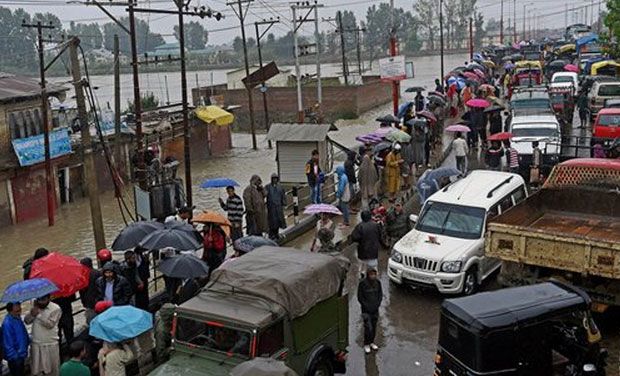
x=427 y=114
x=322 y=208
x=571 y=68
x=479 y=73
x=458 y=128
x=471 y=76
x=478 y=103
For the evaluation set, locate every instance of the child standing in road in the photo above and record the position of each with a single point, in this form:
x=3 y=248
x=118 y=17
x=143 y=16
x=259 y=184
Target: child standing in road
x=370 y=295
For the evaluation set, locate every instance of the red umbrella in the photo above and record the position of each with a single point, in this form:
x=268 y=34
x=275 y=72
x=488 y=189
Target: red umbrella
x=478 y=103
x=571 y=68
x=500 y=136
x=427 y=114
x=64 y=271
x=471 y=76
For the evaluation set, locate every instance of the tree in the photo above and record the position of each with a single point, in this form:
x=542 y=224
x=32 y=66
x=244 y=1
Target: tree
x=377 y=26
x=196 y=37
x=146 y=40
x=149 y=102
x=18 y=44
x=90 y=35
x=238 y=44
x=612 y=21
x=425 y=10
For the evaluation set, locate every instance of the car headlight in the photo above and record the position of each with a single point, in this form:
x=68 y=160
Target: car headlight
x=396 y=256
x=451 y=266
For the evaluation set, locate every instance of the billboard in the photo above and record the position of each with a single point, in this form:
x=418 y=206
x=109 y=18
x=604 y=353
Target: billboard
x=31 y=150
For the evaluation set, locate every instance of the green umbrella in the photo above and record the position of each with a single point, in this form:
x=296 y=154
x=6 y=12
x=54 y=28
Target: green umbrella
x=398 y=136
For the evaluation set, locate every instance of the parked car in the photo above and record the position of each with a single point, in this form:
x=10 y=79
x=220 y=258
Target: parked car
x=606 y=127
x=445 y=249
x=600 y=91
x=542 y=128
x=543 y=329
x=566 y=77
x=531 y=101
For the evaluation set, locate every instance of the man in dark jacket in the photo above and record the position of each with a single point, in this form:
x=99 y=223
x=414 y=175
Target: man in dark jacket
x=39 y=253
x=129 y=270
x=313 y=174
x=88 y=295
x=397 y=222
x=367 y=235
x=349 y=170
x=276 y=202
x=143 y=264
x=113 y=287
x=369 y=295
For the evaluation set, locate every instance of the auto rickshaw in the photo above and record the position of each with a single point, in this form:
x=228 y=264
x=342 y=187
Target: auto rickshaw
x=562 y=96
x=527 y=73
x=543 y=329
x=606 y=68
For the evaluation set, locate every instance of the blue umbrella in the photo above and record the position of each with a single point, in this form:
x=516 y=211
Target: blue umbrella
x=428 y=182
x=27 y=290
x=442 y=172
x=403 y=109
x=218 y=183
x=120 y=323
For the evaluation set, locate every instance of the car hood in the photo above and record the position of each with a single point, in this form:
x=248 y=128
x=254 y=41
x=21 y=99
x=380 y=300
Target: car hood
x=523 y=145
x=416 y=243
x=181 y=364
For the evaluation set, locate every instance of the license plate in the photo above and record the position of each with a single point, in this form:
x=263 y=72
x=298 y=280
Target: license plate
x=417 y=278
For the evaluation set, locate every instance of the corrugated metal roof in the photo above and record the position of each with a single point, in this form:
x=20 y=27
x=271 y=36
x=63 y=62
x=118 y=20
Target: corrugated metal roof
x=298 y=132
x=15 y=88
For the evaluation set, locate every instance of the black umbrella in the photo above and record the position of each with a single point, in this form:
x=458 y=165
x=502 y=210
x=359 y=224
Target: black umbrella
x=183 y=226
x=414 y=89
x=130 y=236
x=436 y=99
x=493 y=109
x=557 y=63
x=173 y=238
x=249 y=243
x=388 y=119
x=184 y=266
x=381 y=146
x=417 y=123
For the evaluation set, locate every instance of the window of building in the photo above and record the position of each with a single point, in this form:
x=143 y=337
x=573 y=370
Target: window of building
x=25 y=123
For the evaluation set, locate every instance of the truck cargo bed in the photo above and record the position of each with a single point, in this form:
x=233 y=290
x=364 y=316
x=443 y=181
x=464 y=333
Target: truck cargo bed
x=568 y=229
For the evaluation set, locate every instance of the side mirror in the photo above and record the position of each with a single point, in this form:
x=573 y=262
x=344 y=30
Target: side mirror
x=413 y=218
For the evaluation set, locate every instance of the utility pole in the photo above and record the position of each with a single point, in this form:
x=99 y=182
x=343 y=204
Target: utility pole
x=87 y=146
x=187 y=160
x=441 y=37
x=591 y=12
x=345 y=65
x=358 y=40
x=565 y=16
x=259 y=36
x=524 y=18
x=501 y=23
x=300 y=104
x=471 y=39
x=117 y=105
x=49 y=187
x=241 y=15
x=317 y=37
x=514 y=20
x=395 y=84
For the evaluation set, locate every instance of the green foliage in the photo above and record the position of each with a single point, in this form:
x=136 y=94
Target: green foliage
x=378 y=30
x=90 y=35
x=149 y=102
x=17 y=44
x=612 y=22
x=146 y=40
x=196 y=37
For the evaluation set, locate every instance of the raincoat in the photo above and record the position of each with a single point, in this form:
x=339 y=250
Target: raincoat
x=367 y=177
x=343 y=182
x=418 y=142
x=392 y=166
x=276 y=201
x=255 y=208
x=15 y=339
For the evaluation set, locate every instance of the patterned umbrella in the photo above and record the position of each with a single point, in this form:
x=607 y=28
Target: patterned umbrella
x=27 y=290
x=322 y=208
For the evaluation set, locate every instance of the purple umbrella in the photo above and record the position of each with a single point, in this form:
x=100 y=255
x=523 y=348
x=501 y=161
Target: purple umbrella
x=457 y=128
x=322 y=208
x=370 y=138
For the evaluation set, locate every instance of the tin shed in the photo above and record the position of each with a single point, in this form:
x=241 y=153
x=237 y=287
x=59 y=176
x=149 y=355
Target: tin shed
x=294 y=145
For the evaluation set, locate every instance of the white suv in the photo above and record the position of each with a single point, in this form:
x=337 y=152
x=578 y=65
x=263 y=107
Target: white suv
x=445 y=250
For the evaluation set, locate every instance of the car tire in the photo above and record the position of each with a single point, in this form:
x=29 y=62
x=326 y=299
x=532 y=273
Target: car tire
x=470 y=282
x=322 y=366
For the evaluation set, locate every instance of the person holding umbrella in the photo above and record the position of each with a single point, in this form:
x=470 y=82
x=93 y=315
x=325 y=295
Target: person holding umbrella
x=214 y=246
x=44 y=353
x=419 y=102
x=234 y=207
x=15 y=339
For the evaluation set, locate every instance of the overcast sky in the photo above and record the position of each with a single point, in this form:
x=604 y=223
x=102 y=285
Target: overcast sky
x=552 y=12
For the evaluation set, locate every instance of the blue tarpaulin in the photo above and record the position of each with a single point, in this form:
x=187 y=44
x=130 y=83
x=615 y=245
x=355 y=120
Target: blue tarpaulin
x=586 y=40
x=31 y=150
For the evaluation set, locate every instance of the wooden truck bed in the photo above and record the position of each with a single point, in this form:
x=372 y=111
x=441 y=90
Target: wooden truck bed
x=568 y=229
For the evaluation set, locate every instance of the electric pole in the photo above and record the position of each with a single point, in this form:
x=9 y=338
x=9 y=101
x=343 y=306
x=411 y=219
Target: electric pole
x=241 y=15
x=471 y=39
x=117 y=106
x=441 y=37
x=524 y=18
x=90 y=175
x=514 y=20
x=395 y=84
x=345 y=65
x=49 y=187
x=259 y=36
x=501 y=23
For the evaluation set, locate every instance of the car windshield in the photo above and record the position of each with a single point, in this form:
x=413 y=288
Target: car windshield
x=535 y=132
x=609 y=90
x=609 y=120
x=562 y=79
x=530 y=103
x=451 y=220
x=213 y=336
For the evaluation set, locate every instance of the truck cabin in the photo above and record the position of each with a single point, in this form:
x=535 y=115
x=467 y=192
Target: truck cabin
x=531 y=330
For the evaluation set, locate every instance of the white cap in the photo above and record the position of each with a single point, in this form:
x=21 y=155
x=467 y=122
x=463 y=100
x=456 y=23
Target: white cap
x=397 y=146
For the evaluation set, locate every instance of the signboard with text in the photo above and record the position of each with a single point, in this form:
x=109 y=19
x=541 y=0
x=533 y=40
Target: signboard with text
x=31 y=150
x=392 y=68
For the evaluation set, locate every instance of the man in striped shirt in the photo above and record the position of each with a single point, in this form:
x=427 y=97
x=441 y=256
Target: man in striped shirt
x=512 y=157
x=234 y=207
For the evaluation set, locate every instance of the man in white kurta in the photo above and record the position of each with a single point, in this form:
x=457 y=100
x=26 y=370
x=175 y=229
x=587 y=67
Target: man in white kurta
x=44 y=351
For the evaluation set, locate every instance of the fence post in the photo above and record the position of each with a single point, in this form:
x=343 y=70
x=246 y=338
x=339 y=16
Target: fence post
x=295 y=205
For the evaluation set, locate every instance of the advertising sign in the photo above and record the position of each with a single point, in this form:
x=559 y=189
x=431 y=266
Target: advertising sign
x=31 y=150
x=392 y=68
